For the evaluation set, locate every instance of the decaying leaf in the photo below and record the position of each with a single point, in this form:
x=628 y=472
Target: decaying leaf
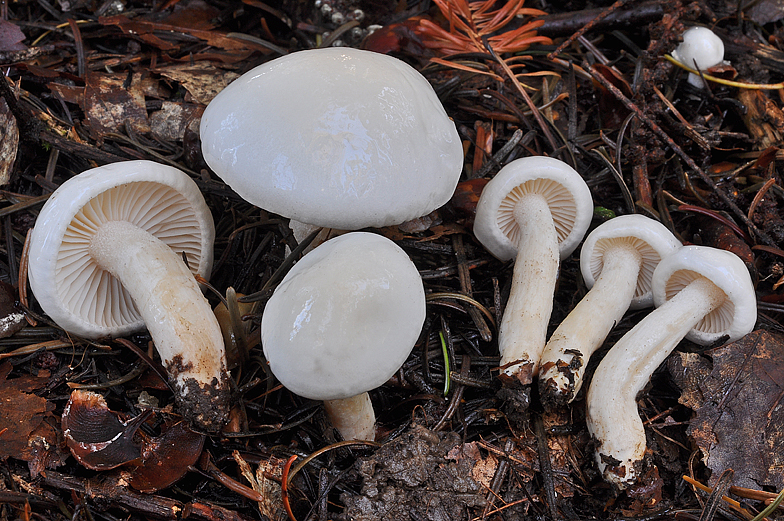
x=739 y=422
x=169 y=123
x=266 y=481
x=101 y=440
x=166 y=458
x=203 y=81
x=11 y=37
x=97 y=437
x=9 y=142
x=21 y=413
x=111 y=100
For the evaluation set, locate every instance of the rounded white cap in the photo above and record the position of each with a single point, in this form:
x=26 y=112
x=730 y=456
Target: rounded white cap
x=700 y=45
x=563 y=188
x=736 y=317
x=70 y=287
x=345 y=317
x=334 y=137
x=649 y=237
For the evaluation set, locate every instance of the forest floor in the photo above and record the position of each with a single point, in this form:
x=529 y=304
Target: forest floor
x=89 y=83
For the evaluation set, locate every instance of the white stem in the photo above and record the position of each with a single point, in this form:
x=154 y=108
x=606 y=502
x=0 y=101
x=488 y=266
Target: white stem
x=583 y=331
x=182 y=325
x=612 y=416
x=523 y=330
x=353 y=417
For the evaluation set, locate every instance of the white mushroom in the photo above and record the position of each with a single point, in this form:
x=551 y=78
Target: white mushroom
x=535 y=210
x=617 y=262
x=702 y=294
x=106 y=259
x=700 y=49
x=342 y=322
x=334 y=137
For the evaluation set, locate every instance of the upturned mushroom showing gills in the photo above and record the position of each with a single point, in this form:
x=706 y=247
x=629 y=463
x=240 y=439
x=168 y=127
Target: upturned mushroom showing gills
x=106 y=260
x=617 y=262
x=700 y=49
x=336 y=137
x=700 y=293
x=535 y=210
x=341 y=323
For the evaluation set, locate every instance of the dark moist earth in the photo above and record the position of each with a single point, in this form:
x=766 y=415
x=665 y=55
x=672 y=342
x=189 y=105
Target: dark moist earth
x=91 y=83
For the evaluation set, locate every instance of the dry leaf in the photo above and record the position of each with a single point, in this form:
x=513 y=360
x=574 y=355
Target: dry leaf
x=109 y=102
x=11 y=37
x=739 y=423
x=203 y=81
x=9 y=142
x=21 y=412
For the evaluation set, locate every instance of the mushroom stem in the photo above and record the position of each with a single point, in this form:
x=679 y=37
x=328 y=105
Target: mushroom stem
x=353 y=417
x=523 y=331
x=584 y=330
x=178 y=317
x=612 y=416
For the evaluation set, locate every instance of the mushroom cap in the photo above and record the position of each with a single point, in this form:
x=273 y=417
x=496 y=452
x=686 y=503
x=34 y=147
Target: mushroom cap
x=345 y=317
x=649 y=237
x=563 y=188
x=71 y=288
x=700 y=45
x=736 y=317
x=334 y=137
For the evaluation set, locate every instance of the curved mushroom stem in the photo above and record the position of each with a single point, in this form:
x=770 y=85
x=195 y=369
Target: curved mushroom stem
x=612 y=416
x=523 y=330
x=584 y=330
x=353 y=417
x=178 y=317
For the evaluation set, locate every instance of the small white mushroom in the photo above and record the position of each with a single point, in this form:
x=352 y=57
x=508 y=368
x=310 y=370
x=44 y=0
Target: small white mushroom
x=617 y=262
x=337 y=137
x=342 y=322
x=106 y=260
x=702 y=294
x=700 y=49
x=535 y=210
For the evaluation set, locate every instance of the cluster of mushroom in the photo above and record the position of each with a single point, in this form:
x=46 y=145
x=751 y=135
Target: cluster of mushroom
x=353 y=139
x=536 y=206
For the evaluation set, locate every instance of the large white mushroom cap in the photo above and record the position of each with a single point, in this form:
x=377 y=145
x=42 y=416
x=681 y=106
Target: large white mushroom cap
x=334 y=137
x=345 y=318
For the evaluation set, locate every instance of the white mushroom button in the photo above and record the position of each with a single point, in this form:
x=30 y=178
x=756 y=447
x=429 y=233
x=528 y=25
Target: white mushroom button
x=335 y=137
x=617 y=262
x=342 y=322
x=535 y=210
x=702 y=294
x=106 y=260
x=700 y=49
